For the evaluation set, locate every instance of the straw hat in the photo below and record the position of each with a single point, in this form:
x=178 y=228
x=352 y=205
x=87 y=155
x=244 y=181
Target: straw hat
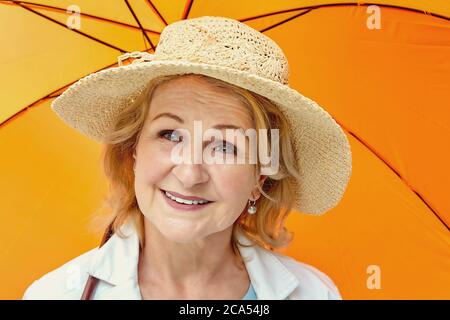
x=231 y=51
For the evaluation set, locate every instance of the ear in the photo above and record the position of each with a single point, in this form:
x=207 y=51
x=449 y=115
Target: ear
x=256 y=194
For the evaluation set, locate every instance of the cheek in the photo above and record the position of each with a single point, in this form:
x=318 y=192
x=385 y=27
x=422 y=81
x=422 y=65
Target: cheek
x=152 y=164
x=234 y=182
x=234 y=185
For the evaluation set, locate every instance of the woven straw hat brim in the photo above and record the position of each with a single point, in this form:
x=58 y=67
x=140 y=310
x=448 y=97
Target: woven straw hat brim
x=321 y=147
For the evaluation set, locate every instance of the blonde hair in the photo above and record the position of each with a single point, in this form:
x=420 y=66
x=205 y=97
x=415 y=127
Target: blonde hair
x=265 y=228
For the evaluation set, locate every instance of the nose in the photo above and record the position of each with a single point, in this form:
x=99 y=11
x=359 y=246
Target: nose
x=190 y=174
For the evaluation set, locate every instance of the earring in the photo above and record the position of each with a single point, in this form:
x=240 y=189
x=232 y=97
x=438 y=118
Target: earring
x=252 y=207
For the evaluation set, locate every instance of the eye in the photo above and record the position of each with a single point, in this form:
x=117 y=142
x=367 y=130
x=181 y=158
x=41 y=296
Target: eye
x=230 y=147
x=171 y=135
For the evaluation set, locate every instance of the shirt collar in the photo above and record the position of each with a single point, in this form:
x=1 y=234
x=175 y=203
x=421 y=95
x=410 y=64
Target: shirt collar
x=269 y=276
x=116 y=262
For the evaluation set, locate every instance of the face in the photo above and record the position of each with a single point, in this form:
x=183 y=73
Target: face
x=227 y=186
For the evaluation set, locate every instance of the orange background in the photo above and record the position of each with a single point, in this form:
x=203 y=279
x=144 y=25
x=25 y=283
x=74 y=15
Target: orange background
x=388 y=88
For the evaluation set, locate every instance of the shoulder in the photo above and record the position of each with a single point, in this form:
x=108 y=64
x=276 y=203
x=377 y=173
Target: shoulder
x=313 y=283
x=65 y=282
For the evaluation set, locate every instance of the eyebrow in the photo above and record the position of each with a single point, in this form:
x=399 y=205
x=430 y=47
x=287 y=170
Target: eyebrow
x=178 y=119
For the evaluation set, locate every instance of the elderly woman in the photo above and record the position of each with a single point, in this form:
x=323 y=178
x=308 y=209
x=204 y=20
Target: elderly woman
x=191 y=228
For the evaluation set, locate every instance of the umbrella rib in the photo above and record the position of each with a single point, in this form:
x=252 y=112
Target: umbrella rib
x=372 y=150
x=140 y=25
x=52 y=94
x=271 y=14
x=343 y=5
x=286 y=20
x=86 y=15
x=187 y=9
x=74 y=30
x=156 y=11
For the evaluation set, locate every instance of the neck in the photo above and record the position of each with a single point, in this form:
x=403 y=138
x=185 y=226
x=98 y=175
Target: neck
x=197 y=263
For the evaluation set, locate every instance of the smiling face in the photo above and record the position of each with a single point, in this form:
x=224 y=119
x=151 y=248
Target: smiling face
x=176 y=105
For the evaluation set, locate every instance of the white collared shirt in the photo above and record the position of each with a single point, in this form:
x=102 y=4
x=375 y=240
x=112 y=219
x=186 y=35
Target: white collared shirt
x=273 y=276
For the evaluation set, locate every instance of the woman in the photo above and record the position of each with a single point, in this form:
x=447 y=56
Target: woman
x=183 y=227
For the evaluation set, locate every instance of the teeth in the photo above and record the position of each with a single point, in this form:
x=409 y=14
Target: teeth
x=180 y=200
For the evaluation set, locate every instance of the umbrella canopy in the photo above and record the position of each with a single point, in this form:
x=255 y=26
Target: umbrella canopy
x=388 y=86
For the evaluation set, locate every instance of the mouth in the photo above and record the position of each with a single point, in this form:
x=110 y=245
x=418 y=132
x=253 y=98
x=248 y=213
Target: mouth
x=184 y=204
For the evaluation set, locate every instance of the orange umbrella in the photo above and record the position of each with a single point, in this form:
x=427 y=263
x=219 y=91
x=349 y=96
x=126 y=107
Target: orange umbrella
x=382 y=72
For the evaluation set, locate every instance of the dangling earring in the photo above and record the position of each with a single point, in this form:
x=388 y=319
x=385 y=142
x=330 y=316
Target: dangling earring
x=252 y=207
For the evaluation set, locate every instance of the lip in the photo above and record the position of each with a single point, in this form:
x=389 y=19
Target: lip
x=179 y=195
x=182 y=206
